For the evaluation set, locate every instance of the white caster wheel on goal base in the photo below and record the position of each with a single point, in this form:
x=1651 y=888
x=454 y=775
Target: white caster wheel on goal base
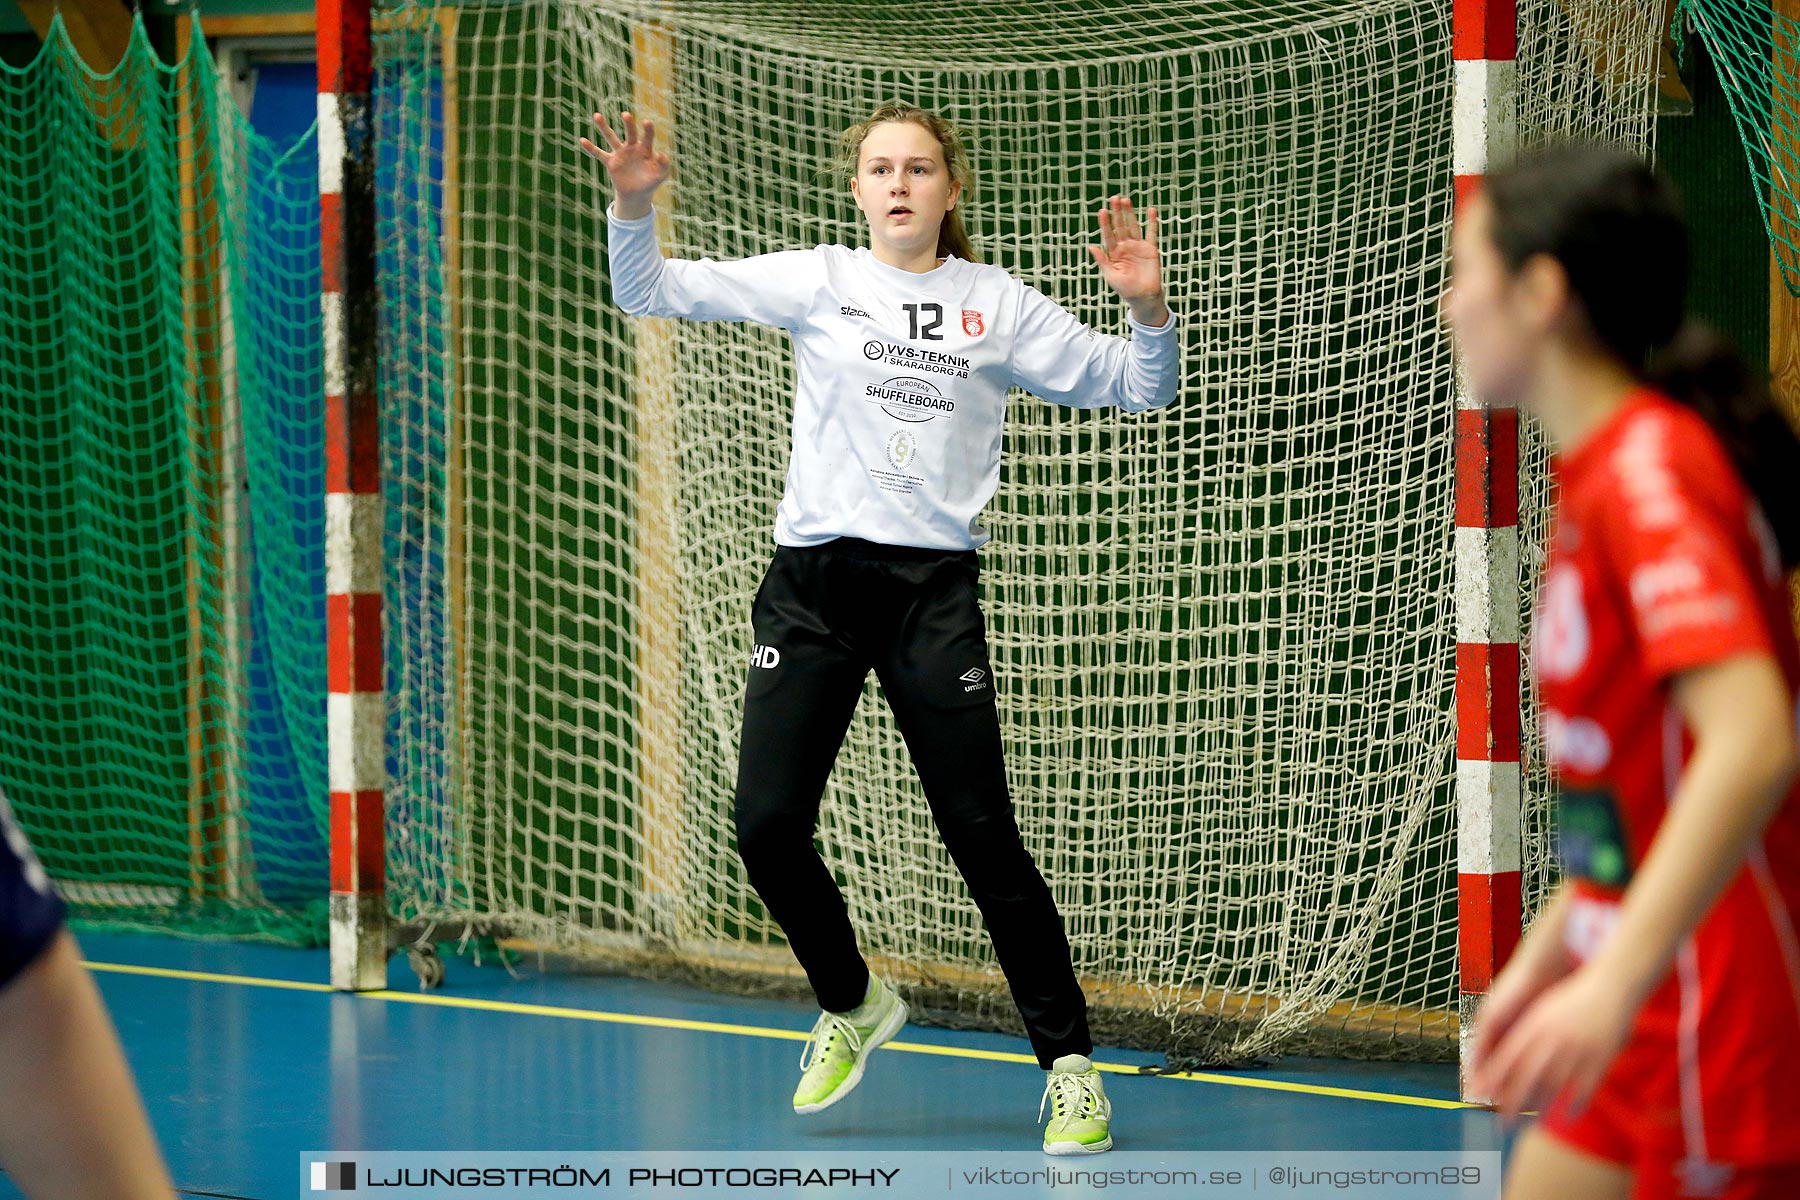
x=424 y=960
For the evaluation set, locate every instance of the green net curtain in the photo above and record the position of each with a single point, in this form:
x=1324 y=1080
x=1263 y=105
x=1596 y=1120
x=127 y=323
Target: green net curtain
x=161 y=572
x=1756 y=51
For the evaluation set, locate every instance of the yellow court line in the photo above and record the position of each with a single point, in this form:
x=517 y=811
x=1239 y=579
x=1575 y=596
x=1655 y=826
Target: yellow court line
x=207 y=977
x=610 y=1018
x=1310 y=1089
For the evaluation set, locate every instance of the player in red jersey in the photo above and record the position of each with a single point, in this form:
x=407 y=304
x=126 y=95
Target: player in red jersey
x=1653 y=1010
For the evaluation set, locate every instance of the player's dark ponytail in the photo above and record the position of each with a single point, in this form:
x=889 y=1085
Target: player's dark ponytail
x=1616 y=228
x=1700 y=367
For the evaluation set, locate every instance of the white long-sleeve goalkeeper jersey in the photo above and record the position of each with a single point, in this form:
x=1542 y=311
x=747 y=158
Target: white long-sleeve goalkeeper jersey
x=902 y=377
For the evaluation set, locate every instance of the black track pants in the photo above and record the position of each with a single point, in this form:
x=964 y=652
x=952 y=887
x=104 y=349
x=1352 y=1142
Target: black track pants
x=824 y=617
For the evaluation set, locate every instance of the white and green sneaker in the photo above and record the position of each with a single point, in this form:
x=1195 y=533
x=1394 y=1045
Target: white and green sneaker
x=841 y=1042
x=1080 y=1113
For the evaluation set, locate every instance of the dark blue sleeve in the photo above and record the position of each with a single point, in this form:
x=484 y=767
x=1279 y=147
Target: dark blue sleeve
x=30 y=912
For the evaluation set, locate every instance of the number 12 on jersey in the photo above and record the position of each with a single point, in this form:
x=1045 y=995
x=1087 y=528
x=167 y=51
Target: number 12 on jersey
x=930 y=332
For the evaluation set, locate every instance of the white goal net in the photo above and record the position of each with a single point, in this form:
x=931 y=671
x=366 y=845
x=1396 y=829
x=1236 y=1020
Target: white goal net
x=1223 y=633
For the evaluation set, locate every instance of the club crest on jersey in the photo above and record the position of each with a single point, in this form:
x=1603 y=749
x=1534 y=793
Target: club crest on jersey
x=972 y=322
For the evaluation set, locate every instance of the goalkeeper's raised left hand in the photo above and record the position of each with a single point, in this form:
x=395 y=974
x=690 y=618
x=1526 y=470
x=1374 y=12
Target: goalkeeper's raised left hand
x=1129 y=261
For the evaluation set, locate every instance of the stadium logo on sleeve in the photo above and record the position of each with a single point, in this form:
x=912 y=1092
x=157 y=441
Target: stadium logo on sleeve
x=972 y=322
x=912 y=400
x=1646 y=478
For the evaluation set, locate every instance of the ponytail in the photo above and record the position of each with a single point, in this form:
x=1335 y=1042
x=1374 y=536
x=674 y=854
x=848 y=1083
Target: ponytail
x=1702 y=369
x=953 y=239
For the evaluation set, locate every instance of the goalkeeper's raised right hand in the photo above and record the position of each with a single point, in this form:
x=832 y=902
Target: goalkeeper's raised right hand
x=633 y=163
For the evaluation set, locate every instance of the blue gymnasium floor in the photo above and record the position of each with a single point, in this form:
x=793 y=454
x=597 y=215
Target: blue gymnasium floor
x=242 y=1074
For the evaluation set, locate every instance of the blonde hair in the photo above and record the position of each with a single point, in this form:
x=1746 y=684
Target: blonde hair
x=952 y=238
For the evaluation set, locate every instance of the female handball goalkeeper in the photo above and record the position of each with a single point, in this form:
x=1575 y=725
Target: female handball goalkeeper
x=905 y=350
